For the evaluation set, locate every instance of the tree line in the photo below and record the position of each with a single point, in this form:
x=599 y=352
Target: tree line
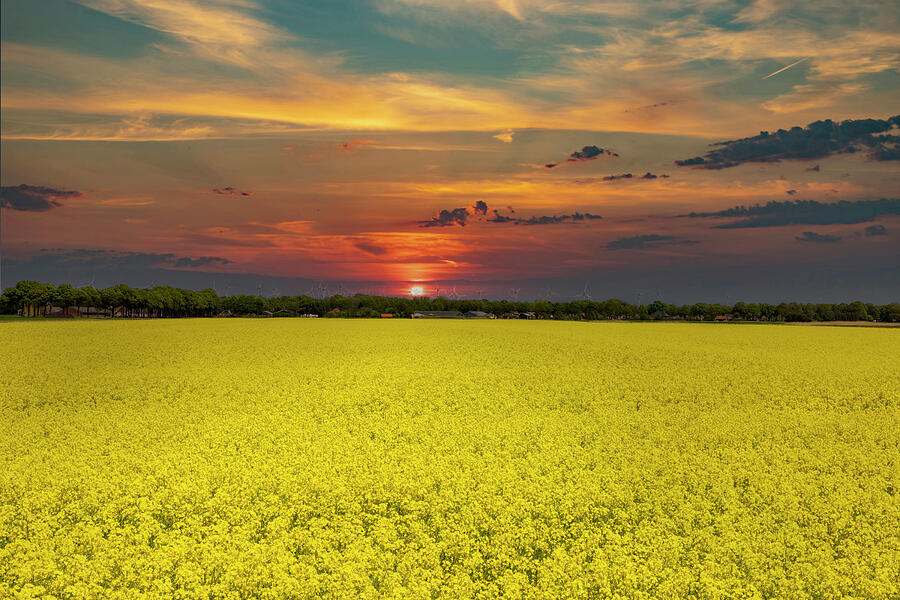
x=41 y=299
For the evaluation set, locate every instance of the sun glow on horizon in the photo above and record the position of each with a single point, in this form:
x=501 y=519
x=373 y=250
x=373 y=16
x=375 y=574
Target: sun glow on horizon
x=416 y=290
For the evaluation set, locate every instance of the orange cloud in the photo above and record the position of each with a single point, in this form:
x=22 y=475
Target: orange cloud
x=349 y=146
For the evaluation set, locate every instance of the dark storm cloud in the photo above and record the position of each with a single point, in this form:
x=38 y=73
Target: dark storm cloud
x=875 y=230
x=448 y=218
x=586 y=153
x=643 y=242
x=203 y=261
x=555 y=219
x=647 y=175
x=499 y=218
x=804 y=212
x=460 y=216
x=888 y=152
x=457 y=216
x=230 y=191
x=816 y=140
x=33 y=198
x=818 y=238
x=372 y=249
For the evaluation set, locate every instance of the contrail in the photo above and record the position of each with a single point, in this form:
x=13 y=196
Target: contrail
x=783 y=69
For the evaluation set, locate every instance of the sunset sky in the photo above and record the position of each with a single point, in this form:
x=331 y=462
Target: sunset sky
x=495 y=148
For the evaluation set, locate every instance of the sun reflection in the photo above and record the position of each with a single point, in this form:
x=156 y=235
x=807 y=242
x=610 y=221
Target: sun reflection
x=416 y=290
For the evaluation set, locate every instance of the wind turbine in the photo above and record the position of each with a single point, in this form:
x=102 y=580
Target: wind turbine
x=515 y=293
x=585 y=294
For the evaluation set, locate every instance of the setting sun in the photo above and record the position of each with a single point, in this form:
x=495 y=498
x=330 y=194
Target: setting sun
x=416 y=290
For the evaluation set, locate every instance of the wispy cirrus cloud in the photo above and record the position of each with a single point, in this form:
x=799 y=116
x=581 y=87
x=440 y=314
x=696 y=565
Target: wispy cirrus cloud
x=223 y=31
x=505 y=136
x=373 y=249
x=353 y=144
x=622 y=52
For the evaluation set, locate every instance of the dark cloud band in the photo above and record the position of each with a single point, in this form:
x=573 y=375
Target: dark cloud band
x=816 y=140
x=460 y=217
x=586 y=153
x=818 y=238
x=648 y=241
x=804 y=212
x=33 y=198
x=229 y=191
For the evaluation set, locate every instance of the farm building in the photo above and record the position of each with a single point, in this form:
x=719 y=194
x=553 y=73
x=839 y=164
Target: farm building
x=478 y=314
x=438 y=314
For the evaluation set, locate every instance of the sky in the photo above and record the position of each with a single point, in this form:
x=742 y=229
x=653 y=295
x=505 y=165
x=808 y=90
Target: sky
x=685 y=151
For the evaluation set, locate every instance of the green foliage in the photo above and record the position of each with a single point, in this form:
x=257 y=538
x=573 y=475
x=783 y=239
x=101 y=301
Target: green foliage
x=164 y=301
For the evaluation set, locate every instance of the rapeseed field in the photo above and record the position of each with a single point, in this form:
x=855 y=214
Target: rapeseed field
x=289 y=458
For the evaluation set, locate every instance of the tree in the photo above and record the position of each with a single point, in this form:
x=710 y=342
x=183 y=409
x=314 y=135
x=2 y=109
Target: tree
x=66 y=296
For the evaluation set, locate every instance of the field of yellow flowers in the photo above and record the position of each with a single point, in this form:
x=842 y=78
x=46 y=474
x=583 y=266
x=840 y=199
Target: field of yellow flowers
x=293 y=458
